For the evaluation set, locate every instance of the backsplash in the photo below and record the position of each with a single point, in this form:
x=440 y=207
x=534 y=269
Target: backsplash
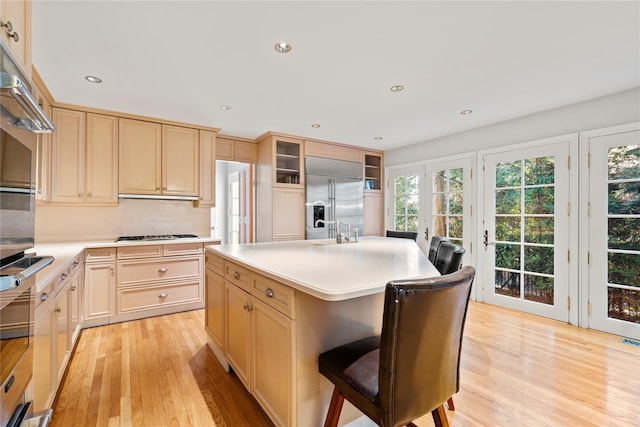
x=131 y=217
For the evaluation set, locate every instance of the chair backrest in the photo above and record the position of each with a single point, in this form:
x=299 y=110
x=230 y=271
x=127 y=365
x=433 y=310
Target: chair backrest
x=448 y=258
x=420 y=345
x=434 y=246
x=403 y=234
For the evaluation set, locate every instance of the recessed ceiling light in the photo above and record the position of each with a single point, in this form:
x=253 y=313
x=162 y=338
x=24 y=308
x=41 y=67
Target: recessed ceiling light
x=397 y=88
x=93 y=79
x=225 y=107
x=315 y=125
x=466 y=112
x=282 y=47
x=378 y=138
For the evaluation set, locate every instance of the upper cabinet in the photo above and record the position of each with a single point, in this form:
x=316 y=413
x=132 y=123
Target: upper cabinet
x=281 y=160
x=180 y=161
x=15 y=16
x=158 y=159
x=83 y=159
x=234 y=149
x=373 y=166
x=332 y=151
x=208 y=146
x=140 y=157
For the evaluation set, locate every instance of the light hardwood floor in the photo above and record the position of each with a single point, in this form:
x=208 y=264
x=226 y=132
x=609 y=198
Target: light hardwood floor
x=517 y=370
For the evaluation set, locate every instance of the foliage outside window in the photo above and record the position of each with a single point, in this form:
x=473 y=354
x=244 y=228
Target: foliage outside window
x=524 y=229
x=448 y=204
x=406 y=203
x=623 y=257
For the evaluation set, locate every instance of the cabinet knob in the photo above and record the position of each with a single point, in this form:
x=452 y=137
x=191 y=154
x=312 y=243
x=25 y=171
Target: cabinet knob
x=89 y=195
x=73 y=288
x=10 y=32
x=163 y=295
x=44 y=296
x=58 y=310
x=163 y=270
x=269 y=293
x=75 y=263
x=63 y=276
x=236 y=275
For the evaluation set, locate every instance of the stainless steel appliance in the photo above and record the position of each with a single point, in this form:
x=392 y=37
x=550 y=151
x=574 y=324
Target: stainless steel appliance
x=334 y=195
x=20 y=120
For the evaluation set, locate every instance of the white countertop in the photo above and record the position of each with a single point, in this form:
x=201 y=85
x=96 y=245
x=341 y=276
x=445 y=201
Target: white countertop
x=332 y=271
x=63 y=252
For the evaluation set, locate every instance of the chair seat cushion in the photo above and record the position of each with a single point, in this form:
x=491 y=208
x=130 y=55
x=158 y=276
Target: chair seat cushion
x=353 y=368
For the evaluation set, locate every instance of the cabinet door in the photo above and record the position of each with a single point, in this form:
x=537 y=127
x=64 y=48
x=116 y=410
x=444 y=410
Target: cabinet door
x=75 y=306
x=43 y=168
x=214 y=306
x=225 y=149
x=288 y=214
x=288 y=162
x=238 y=334
x=180 y=165
x=102 y=159
x=140 y=146
x=61 y=332
x=19 y=39
x=42 y=358
x=207 y=197
x=99 y=290
x=68 y=156
x=246 y=152
x=372 y=209
x=273 y=357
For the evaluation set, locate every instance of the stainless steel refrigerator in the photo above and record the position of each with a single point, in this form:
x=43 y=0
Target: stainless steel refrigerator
x=334 y=192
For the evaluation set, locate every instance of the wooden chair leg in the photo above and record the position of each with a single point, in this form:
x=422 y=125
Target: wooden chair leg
x=440 y=417
x=335 y=407
x=450 y=404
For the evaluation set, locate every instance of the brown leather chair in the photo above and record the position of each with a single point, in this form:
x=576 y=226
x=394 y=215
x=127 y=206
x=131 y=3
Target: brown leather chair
x=449 y=257
x=434 y=246
x=403 y=234
x=413 y=367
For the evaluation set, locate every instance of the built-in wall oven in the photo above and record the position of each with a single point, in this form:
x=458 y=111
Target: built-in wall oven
x=20 y=121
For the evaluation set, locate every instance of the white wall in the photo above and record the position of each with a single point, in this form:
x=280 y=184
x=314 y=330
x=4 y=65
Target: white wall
x=620 y=108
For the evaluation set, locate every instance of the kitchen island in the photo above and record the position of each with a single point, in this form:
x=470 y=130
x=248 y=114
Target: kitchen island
x=272 y=308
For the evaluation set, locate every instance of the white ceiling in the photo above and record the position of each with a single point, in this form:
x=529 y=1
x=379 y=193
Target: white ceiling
x=182 y=60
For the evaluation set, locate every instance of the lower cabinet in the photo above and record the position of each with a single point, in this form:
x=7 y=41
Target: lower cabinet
x=373 y=213
x=288 y=214
x=55 y=332
x=99 y=286
x=257 y=327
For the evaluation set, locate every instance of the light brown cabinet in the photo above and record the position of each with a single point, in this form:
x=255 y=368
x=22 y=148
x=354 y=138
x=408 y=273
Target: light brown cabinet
x=288 y=214
x=15 y=16
x=84 y=159
x=235 y=150
x=332 y=151
x=373 y=213
x=43 y=168
x=373 y=177
x=207 y=191
x=99 y=286
x=158 y=159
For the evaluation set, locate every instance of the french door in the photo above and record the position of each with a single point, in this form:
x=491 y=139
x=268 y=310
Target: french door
x=434 y=199
x=525 y=234
x=614 y=230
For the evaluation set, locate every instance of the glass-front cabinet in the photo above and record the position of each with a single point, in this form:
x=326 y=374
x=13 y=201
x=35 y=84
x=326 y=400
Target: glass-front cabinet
x=372 y=171
x=288 y=162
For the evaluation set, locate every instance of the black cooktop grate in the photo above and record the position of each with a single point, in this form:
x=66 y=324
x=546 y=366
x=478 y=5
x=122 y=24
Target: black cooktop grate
x=156 y=237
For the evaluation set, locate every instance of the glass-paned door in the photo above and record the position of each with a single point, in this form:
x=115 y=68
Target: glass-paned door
x=406 y=210
x=526 y=235
x=448 y=209
x=614 y=228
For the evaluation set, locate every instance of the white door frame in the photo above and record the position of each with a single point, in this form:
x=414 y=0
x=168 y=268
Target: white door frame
x=485 y=274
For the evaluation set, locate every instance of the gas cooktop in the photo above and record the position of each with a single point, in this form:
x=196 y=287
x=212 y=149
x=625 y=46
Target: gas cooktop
x=156 y=237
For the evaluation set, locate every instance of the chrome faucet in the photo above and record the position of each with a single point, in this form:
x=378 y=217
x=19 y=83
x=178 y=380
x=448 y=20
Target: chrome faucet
x=336 y=222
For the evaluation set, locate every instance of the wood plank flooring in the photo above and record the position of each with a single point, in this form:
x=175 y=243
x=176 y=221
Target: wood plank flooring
x=517 y=370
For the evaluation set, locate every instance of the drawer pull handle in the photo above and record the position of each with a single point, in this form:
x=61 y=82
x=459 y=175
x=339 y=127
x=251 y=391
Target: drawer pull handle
x=73 y=288
x=236 y=275
x=75 y=263
x=44 y=296
x=163 y=295
x=58 y=310
x=163 y=270
x=63 y=276
x=269 y=293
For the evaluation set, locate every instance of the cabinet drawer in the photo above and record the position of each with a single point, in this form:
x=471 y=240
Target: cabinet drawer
x=99 y=254
x=215 y=263
x=276 y=295
x=139 y=272
x=237 y=275
x=145 y=251
x=148 y=297
x=183 y=249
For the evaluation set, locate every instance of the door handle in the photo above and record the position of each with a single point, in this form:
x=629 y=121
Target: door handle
x=426 y=233
x=163 y=270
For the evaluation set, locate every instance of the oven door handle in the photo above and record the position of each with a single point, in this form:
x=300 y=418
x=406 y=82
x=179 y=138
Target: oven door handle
x=33 y=269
